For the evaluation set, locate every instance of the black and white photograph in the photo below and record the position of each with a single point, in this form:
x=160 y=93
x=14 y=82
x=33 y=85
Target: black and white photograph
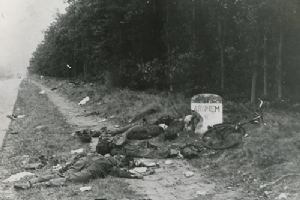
x=149 y=100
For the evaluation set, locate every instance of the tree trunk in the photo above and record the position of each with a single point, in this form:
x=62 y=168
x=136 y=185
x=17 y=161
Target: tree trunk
x=221 y=49
x=194 y=26
x=168 y=48
x=253 y=85
x=279 y=64
x=265 y=68
x=254 y=78
x=108 y=80
x=85 y=71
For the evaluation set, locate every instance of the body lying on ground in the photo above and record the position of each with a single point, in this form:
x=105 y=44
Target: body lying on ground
x=82 y=170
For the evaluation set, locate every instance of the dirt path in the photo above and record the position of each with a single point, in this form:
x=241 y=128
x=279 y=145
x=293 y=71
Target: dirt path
x=169 y=182
x=74 y=114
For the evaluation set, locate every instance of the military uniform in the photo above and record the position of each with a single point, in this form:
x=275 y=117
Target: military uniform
x=83 y=170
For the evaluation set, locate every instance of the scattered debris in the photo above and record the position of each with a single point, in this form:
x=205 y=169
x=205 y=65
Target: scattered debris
x=141 y=171
x=267 y=193
x=13 y=116
x=145 y=163
x=84 y=189
x=201 y=193
x=57 y=167
x=14 y=132
x=188 y=174
x=40 y=127
x=84 y=101
x=169 y=162
x=180 y=155
x=25 y=159
x=164 y=126
x=282 y=196
x=102 y=120
x=93 y=144
x=17 y=177
x=77 y=151
x=138 y=170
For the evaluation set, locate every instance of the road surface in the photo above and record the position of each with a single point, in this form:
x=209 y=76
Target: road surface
x=8 y=96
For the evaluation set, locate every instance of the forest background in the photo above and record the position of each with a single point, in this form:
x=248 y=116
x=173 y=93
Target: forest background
x=240 y=49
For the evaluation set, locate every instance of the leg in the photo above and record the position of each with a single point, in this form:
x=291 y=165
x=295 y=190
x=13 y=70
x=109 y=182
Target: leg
x=42 y=180
x=80 y=177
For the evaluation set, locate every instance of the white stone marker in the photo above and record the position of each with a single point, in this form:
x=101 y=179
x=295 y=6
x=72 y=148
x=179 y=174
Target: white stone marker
x=210 y=107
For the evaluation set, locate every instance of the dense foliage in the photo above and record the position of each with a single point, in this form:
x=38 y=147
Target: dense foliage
x=227 y=46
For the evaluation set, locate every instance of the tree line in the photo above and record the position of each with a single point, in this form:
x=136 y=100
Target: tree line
x=238 y=48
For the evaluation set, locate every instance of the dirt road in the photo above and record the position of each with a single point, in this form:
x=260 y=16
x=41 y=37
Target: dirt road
x=169 y=182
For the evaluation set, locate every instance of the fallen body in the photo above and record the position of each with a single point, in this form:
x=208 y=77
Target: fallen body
x=83 y=169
